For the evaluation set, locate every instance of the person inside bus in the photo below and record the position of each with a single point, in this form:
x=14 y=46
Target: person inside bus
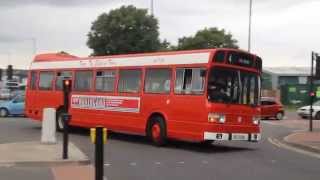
x=217 y=91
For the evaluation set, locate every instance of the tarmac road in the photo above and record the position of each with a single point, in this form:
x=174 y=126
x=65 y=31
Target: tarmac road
x=129 y=157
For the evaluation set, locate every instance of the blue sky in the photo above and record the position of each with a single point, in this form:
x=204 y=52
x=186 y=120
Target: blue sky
x=283 y=32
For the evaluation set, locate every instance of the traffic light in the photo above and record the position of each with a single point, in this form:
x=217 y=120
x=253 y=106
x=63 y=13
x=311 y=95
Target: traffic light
x=9 y=72
x=66 y=85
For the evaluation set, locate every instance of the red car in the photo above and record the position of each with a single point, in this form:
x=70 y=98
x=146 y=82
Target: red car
x=271 y=108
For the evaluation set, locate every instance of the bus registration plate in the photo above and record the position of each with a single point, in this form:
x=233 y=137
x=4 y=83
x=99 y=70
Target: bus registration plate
x=240 y=137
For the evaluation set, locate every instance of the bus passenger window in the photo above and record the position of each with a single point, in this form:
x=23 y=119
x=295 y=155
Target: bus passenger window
x=33 y=81
x=190 y=81
x=157 y=81
x=105 y=80
x=83 y=81
x=60 y=76
x=45 y=81
x=129 y=81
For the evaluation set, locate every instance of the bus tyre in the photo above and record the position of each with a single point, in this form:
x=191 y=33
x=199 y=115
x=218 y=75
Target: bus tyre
x=157 y=131
x=59 y=122
x=4 y=112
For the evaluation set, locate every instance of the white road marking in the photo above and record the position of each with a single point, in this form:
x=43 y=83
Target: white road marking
x=133 y=164
x=157 y=163
x=288 y=147
x=107 y=164
x=180 y=162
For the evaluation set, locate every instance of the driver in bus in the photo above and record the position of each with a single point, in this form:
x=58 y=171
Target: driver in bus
x=217 y=91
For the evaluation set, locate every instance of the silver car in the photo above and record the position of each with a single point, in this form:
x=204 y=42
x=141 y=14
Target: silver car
x=304 y=112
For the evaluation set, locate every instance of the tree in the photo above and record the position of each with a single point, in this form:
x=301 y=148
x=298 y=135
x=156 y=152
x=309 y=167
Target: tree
x=124 y=30
x=207 y=38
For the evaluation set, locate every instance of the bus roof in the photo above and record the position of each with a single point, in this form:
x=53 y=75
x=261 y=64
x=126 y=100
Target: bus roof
x=58 y=60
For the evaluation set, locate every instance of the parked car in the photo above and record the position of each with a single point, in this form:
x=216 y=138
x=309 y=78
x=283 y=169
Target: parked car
x=304 y=112
x=271 y=108
x=15 y=106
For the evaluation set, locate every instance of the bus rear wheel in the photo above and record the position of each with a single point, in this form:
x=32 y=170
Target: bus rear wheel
x=157 y=131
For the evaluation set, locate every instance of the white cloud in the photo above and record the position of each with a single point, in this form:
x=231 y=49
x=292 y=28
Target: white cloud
x=283 y=32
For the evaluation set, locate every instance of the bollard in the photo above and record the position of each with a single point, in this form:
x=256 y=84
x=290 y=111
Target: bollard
x=98 y=137
x=66 y=119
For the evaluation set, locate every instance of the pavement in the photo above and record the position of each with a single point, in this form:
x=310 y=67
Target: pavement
x=300 y=137
x=309 y=141
x=14 y=154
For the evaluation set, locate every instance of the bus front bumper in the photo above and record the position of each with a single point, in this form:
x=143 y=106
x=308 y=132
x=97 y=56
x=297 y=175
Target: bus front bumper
x=254 y=137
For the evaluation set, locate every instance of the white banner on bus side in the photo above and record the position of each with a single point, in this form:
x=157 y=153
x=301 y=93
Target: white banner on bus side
x=107 y=103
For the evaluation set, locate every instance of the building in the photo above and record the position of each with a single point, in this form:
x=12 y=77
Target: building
x=274 y=77
x=289 y=84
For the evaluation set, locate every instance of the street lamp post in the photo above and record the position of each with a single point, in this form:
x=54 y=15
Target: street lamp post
x=34 y=45
x=151 y=7
x=249 y=33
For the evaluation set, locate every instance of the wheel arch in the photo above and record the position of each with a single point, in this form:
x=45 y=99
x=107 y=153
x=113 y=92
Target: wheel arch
x=6 y=108
x=153 y=114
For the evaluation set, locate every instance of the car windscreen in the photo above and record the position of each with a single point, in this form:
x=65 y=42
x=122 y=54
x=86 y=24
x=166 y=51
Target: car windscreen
x=226 y=85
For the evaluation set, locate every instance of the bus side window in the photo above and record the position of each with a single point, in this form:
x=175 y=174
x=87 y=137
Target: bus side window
x=189 y=81
x=46 y=80
x=33 y=80
x=157 y=81
x=60 y=76
x=83 y=80
x=129 y=81
x=105 y=80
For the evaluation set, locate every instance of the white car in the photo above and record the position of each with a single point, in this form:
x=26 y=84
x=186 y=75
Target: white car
x=304 y=112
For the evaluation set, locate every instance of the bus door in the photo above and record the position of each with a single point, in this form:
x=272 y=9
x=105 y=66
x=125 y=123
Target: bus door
x=188 y=104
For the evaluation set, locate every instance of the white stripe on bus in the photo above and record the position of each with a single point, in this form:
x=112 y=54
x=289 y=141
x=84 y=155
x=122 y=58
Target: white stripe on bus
x=195 y=58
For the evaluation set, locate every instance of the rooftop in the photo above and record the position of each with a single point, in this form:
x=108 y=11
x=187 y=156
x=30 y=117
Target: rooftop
x=288 y=71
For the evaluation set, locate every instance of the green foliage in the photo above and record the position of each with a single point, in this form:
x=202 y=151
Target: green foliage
x=207 y=38
x=125 y=30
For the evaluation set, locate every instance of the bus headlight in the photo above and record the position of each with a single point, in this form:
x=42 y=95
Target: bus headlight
x=216 y=117
x=256 y=120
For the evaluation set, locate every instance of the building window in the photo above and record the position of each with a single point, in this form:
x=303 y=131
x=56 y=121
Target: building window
x=189 y=81
x=105 y=80
x=45 y=81
x=33 y=81
x=129 y=81
x=83 y=81
x=157 y=81
x=61 y=76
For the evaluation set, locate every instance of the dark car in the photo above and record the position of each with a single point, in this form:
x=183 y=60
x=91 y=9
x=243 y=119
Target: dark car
x=271 y=108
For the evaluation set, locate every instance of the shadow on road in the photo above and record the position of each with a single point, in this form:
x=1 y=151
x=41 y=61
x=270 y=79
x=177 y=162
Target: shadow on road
x=172 y=144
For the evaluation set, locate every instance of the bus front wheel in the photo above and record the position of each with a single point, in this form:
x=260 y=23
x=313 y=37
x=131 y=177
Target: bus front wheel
x=157 y=131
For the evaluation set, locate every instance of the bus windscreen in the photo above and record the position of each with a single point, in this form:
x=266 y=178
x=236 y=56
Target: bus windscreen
x=226 y=85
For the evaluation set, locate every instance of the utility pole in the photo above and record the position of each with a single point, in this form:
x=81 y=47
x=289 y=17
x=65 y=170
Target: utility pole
x=34 y=46
x=249 y=33
x=151 y=7
x=313 y=94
